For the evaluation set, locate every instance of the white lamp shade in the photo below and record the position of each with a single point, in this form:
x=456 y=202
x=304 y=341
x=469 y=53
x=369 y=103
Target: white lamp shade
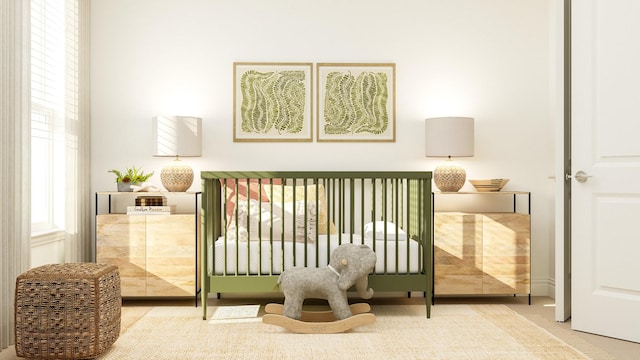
x=177 y=136
x=449 y=137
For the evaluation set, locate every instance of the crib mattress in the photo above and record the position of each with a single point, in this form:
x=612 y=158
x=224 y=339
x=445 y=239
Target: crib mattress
x=266 y=258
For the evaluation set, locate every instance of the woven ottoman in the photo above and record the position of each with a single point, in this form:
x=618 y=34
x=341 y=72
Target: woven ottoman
x=67 y=311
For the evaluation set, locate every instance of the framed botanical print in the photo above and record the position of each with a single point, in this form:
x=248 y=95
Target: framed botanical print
x=272 y=101
x=356 y=102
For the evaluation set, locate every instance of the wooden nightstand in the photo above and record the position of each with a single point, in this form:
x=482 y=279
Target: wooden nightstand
x=157 y=254
x=483 y=253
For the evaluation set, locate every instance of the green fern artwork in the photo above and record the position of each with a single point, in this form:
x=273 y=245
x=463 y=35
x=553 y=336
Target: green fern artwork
x=272 y=102
x=356 y=104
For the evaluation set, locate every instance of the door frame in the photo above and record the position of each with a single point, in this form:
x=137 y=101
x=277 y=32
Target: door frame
x=563 y=166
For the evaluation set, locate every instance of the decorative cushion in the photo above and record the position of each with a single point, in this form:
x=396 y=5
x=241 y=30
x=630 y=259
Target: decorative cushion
x=250 y=217
x=257 y=222
x=252 y=191
x=303 y=216
x=286 y=193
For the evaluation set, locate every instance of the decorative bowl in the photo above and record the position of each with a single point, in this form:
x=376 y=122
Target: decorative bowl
x=486 y=185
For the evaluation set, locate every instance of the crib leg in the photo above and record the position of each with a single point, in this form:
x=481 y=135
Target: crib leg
x=218 y=296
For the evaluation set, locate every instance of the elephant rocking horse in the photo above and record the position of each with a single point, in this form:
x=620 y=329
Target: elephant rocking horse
x=350 y=265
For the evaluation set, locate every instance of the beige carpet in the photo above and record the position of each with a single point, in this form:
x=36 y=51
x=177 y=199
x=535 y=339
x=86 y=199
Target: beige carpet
x=400 y=332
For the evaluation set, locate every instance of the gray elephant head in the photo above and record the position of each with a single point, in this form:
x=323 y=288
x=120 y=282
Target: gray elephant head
x=354 y=262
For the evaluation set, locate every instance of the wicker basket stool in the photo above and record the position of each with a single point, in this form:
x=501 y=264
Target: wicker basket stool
x=67 y=311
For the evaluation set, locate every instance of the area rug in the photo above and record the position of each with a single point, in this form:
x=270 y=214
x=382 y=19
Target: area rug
x=400 y=332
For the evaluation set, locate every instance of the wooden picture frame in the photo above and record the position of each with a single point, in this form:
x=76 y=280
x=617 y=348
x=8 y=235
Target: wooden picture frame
x=356 y=102
x=272 y=101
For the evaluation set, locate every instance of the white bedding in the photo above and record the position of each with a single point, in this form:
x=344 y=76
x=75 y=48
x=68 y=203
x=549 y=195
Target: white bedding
x=261 y=253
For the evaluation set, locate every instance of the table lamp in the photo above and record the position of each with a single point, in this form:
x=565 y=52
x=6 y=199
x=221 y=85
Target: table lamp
x=177 y=136
x=449 y=137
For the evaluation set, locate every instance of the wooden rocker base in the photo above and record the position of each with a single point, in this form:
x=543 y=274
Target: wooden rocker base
x=318 y=322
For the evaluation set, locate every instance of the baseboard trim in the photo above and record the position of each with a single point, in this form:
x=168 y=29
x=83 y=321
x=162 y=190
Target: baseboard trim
x=543 y=287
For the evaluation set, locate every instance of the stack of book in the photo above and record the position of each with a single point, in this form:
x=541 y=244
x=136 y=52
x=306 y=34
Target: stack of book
x=151 y=205
x=156 y=200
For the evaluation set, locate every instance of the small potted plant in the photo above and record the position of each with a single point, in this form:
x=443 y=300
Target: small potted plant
x=132 y=176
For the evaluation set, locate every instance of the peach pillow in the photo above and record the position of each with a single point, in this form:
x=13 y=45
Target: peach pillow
x=244 y=192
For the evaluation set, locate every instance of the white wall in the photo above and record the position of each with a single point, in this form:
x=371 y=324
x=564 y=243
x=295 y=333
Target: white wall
x=489 y=59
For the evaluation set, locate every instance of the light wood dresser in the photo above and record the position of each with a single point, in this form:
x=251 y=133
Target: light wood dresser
x=483 y=252
x=157 y=254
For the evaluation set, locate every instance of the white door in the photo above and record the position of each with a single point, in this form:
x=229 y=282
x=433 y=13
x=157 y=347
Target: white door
x=606 y=146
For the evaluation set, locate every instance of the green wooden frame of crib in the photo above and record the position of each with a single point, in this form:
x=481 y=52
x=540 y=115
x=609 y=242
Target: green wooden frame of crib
x=417 y=213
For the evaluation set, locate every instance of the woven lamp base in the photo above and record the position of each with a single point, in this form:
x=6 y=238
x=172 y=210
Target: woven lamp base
x=449 y=177
x=176 y=177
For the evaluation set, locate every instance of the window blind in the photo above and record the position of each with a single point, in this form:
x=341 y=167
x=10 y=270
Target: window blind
x=54 y=108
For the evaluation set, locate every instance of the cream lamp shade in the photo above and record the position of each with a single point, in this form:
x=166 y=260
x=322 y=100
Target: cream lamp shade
x=177 y=136
x=449 y=137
